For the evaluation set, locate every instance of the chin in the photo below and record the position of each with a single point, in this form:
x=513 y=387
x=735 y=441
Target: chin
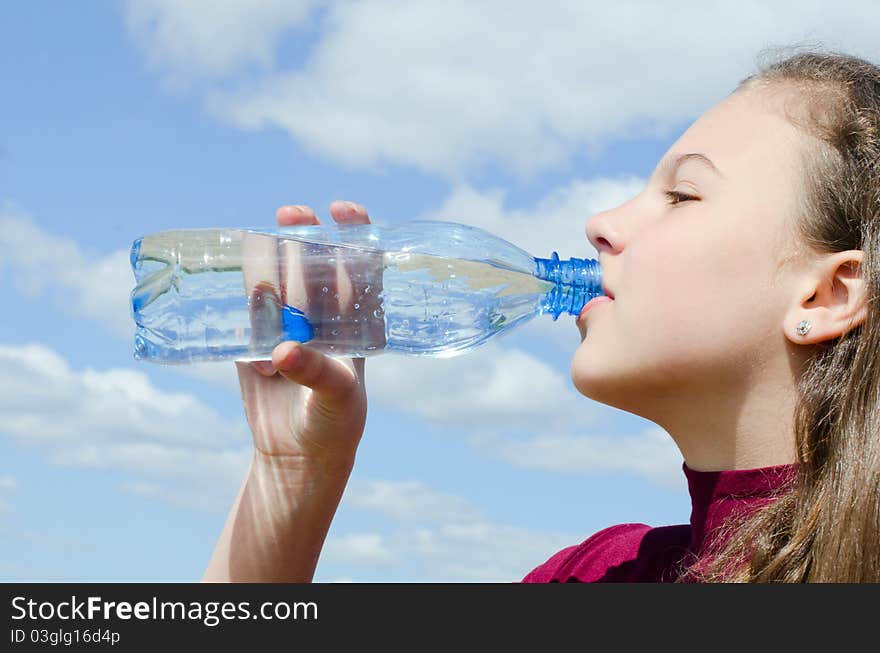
x=591 y=387
x=587 y=373
x=597 y=376
x=609 y=389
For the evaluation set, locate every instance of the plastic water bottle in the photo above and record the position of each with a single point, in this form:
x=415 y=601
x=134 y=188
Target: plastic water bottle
x=424 y=288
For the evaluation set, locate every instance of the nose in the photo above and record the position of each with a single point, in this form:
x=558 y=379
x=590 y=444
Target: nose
x=603 y=234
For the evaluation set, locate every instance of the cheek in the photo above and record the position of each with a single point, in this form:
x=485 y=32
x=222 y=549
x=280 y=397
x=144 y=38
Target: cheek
x=685 y=271
x=679 y=315
x=691 y=301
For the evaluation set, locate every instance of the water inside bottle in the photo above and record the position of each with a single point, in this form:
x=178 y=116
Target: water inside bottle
x=231 y=294
x=442 y=306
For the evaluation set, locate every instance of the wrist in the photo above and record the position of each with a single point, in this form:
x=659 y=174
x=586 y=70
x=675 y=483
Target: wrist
x=297 y=469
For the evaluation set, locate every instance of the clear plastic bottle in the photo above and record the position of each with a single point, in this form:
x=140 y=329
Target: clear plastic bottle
x=424 y=288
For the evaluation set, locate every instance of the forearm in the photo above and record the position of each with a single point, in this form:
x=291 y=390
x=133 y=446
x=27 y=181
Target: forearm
x=277 y=525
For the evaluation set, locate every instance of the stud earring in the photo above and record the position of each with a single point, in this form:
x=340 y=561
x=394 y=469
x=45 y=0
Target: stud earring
x=803 y=327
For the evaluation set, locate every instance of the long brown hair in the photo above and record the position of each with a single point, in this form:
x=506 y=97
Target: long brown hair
x=825 y=525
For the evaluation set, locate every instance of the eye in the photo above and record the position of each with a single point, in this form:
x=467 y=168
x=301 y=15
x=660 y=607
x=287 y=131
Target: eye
x=675 y=197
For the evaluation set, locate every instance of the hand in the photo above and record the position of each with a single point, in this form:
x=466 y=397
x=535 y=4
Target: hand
x=304 y=406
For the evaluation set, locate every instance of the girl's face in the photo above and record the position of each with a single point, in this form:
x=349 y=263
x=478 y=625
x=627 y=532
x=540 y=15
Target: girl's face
x=698 y=305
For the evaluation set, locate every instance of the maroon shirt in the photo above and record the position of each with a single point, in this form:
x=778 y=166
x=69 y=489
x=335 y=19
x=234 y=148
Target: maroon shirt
x=640 y=553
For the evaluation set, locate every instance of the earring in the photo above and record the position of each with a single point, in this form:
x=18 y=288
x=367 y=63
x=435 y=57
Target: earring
x=803 y=327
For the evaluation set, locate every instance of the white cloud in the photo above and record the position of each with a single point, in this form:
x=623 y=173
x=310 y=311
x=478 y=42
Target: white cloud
x=220 y=373
x=206 y=37
x=481 y=552
x=475 y=552
x=652 y=454
x=488 y=389
x=408 y=501
x=43 y=400
x=41 y=262
x=116 y=419
x=210 y=493
x=360 y=549
x=449 y=86
x=440 y=537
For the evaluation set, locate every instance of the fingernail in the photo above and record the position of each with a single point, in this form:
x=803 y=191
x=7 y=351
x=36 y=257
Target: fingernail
x=353 y=206
x=292 y=345
x=265 y=367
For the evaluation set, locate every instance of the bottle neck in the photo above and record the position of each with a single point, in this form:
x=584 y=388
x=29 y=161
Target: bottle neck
x=575 y=282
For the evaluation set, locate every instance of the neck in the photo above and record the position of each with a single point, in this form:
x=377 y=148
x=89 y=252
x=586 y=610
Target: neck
x=720 y=429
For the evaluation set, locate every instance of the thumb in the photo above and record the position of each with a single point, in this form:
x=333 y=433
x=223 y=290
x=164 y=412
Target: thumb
x=306 y=366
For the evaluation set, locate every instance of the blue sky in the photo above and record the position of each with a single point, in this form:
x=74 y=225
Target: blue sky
x=121 y=119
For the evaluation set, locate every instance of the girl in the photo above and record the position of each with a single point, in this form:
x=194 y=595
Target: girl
x=743 y=282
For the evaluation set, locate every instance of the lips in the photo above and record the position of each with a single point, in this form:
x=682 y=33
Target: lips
x=590 y=305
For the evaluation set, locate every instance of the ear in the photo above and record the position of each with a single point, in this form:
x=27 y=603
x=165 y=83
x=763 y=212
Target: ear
x=833 y=300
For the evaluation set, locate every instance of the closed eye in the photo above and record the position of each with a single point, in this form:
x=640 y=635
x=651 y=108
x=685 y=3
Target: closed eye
x=675 y=197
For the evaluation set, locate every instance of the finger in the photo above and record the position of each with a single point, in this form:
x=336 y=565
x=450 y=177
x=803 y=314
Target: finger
x=259 y=269
x=359 y=280
x=349 y=212
x=298 y=286
x=295 y=214
x=265 y=368
x=306 y=366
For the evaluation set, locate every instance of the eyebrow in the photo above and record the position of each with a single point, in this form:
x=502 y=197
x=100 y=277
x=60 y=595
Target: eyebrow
x=674 y=164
